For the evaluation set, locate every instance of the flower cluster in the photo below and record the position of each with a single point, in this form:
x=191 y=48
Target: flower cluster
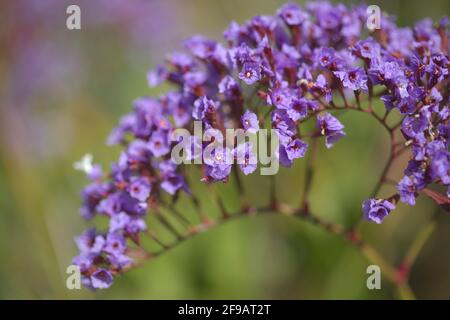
x=299 y=64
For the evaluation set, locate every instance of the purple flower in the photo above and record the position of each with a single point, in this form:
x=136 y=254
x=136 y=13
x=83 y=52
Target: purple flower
x=200 y=46
x=229 y=87
x=389 y=101
x=283 y=157
x=193 y=149
x=354 y=79
x=368 y=49
x=241 y=54
x=157 y=76
x=435 y=96
x=288 y=57
x=158 y=144
x=295 y=149
x=101 y=279
x=167 y=167
x=327 y=58
x=172 y=182
x=376 y=210
x=137 y=151
x=436 y=73
x=440 y=165
x=299 y=108
x=194 y=80
x=245 y=158
x=407 y=105
x=132 y=206
x=283 y=123
x=175 y=103
x=320 y=87
x=181 y=61
x=90 y=243
x=328 y=16
x=120 y=261
x=330 y=127
x=389 y=73
x=400 y=40
x=250 y=122
x=115 y=244
x=292 y=14
x=218 y=172
x=123 y=222
x=92 y=195
x=250 y=73
x=140 y=188
x=281 y=96
x=117 y=135
x=407 y=190
x=414 y=125
x=218 y=164
x=84 y=262
x=233 y=33
x=204 y=106
x=265 y=23
x=111 y=205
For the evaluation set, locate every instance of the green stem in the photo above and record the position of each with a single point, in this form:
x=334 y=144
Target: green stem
x=405 y=292
x=419 y=243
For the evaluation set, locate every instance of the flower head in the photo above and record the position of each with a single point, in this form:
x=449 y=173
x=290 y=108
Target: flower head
x=295 y=149
x=288 y=68
x=354 y=79
x=204 y=107
x=245 y=158
x=292 y=14
x=140 y=188
x=250 y=73
x=407 y=190
x=158 y=143
x=250 y=122
x=101 y=279
x=376 y=210
x=330 y=127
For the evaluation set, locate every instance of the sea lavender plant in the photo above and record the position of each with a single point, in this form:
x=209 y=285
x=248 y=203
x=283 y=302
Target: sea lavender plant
x=276 y=71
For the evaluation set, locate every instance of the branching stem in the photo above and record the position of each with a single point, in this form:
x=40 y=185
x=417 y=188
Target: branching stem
x=397 y=275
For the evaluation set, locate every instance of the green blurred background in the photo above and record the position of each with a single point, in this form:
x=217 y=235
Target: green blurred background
x=62 y=92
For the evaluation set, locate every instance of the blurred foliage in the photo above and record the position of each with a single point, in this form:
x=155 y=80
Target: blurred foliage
x=62 y=99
